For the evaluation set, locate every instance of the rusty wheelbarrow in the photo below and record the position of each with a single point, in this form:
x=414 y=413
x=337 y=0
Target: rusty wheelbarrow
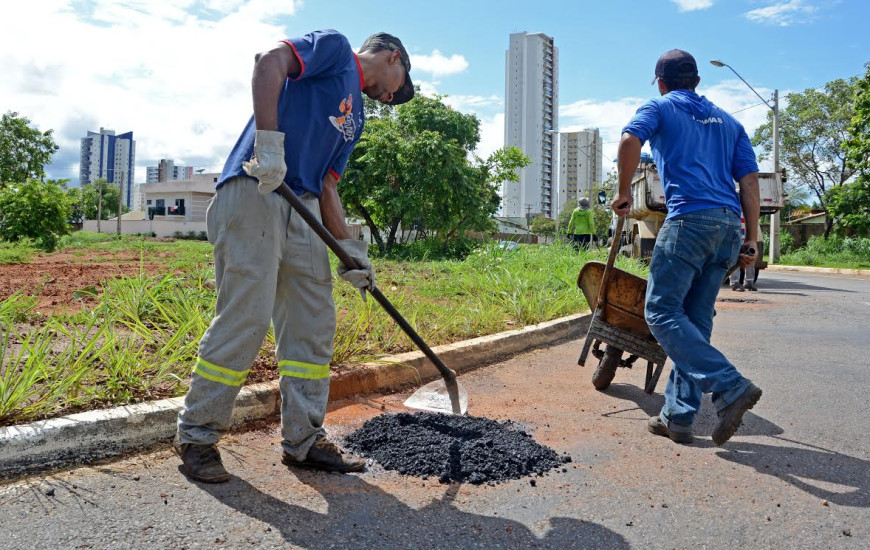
x=617 y=299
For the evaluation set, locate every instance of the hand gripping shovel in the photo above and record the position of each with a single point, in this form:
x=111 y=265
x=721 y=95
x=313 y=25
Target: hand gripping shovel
x=445 y=396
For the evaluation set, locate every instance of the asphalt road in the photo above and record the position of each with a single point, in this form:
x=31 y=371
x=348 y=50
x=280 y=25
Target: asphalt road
x=797 y=474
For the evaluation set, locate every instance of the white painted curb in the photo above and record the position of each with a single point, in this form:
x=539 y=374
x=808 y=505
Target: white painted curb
x=827 y=270
x=86 y=437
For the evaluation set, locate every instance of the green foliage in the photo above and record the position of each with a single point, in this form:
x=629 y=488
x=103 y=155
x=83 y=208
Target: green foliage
x=411 y=168
x=19 y=252
x=849 y=205
x=842 y=252
x=24 y=150
x=786 y=243
x=431 y=249
x=812 y=129
x=858 y=143
x=37 y=210
x=543 y=226
x=85 y=201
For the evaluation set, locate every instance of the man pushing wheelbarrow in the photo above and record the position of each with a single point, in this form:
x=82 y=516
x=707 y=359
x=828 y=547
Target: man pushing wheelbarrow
x=700 y=150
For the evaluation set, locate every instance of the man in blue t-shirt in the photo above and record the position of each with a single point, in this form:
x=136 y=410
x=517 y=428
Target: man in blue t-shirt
x=270 y=267
x=699 y=150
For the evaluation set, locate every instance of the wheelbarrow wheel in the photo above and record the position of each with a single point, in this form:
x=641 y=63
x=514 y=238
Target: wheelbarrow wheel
x=606 y=368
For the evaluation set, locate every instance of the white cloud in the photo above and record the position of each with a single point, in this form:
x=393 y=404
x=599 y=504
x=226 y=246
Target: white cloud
x=175 y=72
x=783 y=14
x=491 y=135
x=437 y=64
x=692 y=5
x=474 y=103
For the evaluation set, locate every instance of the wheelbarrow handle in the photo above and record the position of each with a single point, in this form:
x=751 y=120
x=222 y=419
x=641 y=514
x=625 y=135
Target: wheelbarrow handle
x=446 y=372
x=608 y=268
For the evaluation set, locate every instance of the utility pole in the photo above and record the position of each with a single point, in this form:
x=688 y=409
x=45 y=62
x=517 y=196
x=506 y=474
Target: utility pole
x=774 y=218
x=99 y=204
x=120 y=200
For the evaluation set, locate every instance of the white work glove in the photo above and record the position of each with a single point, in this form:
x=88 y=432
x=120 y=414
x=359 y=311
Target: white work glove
x=267 y=164
x=363 y=278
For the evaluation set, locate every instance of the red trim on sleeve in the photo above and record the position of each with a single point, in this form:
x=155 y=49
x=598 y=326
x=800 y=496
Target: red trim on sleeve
x=362 y=82
x=299 y=57
x=335 y=174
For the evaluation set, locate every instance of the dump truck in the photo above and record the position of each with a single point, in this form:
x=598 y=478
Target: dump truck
x=648 y=209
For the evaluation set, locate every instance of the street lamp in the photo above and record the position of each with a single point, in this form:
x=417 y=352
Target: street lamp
x=774 y=218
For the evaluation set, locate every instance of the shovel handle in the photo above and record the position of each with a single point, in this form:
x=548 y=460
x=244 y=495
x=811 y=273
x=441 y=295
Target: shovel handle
x=345 y=258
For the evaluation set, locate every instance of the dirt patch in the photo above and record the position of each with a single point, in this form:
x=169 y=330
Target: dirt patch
x=54 y=279
x=453 y=448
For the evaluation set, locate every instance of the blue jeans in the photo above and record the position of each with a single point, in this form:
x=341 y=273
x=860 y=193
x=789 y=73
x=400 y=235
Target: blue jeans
x=691 y=256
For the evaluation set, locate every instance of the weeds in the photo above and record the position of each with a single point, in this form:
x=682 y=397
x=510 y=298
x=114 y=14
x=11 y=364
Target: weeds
x=140 y=340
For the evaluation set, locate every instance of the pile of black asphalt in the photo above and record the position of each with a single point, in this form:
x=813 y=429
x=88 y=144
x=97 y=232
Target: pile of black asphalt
x=453 y=448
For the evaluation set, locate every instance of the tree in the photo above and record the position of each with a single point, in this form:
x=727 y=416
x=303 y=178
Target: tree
x=543 y=226
x=849 y=206
x=37 y=210
x=413 y=167
x=85 y=200
x=24 y=151
x=813 y=128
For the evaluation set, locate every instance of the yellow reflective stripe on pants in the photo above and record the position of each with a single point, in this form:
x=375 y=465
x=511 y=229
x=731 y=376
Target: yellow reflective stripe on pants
x=221 y=375
x=298 y=369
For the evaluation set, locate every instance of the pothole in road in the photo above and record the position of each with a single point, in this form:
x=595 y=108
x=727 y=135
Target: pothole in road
x=453 y=448
x=738 y=300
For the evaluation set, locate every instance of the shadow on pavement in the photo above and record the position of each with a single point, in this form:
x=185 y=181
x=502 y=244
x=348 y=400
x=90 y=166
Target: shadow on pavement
x=809 y=468
x=365 y=516
x=705 y=421
x=786 y=286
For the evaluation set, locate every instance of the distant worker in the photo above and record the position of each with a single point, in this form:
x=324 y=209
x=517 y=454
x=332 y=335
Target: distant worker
x=700 y=150
x=582 y=225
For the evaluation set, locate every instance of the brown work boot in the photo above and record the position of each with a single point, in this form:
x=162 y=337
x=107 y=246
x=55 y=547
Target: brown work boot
x=325 y=455
x=656 y=426
x=201 y=462
x=731 y=416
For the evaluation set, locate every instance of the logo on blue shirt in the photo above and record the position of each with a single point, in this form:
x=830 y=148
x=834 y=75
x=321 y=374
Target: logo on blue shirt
x=345 y=123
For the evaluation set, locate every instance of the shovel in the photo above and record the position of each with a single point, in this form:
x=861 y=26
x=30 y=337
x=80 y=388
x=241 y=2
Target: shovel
x=444 y=396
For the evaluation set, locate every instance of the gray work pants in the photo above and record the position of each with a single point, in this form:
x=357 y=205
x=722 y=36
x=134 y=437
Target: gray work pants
x=269 y=265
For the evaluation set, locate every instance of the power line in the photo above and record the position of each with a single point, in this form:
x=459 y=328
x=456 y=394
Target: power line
x=747 y=108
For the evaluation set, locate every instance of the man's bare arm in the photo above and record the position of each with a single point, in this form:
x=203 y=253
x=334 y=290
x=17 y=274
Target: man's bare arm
x=627 y=159
x=750 y=203
x=271 y=69
x=331 y=210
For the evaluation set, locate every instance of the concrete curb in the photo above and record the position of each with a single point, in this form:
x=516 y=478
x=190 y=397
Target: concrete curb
x=86 y=437
x=827 y=270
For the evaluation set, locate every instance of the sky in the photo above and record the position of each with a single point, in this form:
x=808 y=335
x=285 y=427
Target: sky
x=177 y=72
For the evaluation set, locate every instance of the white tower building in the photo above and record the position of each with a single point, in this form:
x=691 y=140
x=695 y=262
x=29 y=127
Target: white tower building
x=531 y=120
x=580 y=167
x=105 y=155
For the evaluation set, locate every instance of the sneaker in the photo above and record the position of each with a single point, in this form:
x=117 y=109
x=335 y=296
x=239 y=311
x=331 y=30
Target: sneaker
x=326 y=456
x=656 y=426
x=731 y=416
x=750 y=286
x=736 y=287
x=201 y=462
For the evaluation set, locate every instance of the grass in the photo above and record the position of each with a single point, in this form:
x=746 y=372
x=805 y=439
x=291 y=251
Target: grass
x=18 y=252
x=140 y=341
x=837 y=252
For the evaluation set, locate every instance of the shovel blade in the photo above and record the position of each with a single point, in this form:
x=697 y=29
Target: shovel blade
x=434 y=397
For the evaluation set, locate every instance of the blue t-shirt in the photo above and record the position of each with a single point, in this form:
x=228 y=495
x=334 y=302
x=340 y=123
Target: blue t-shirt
x=699 y=149
x=320 y=112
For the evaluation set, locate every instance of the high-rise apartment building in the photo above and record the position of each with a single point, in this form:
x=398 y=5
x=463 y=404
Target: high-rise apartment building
x=105 y=155
x=531 y=120
x=167 y=171
x=580 y=167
